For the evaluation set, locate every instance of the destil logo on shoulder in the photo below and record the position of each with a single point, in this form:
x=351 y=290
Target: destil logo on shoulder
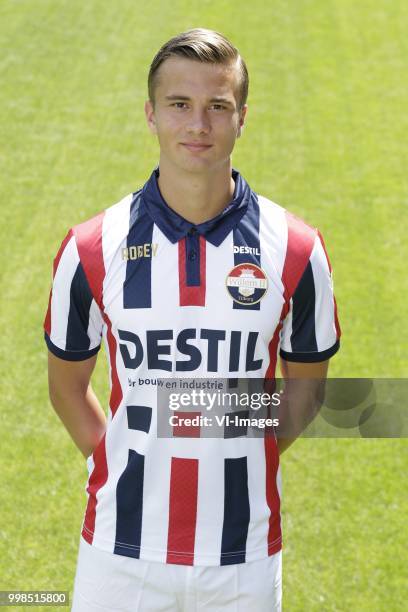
x=200 y=346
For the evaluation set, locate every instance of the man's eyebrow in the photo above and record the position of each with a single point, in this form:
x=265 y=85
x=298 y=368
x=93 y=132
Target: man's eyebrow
x=222 y=100
x=217 y=99
x=176 y=97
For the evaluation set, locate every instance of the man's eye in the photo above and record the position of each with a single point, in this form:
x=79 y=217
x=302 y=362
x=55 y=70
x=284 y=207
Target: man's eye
x=218 y=106
x=179 y=104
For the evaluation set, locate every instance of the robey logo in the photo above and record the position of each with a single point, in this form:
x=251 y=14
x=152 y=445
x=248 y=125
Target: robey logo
x=149 y=249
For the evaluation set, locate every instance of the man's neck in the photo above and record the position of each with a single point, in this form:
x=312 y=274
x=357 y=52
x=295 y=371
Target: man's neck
x=196 y=197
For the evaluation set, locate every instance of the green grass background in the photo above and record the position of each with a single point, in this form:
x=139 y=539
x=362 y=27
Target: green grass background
x=325 y=137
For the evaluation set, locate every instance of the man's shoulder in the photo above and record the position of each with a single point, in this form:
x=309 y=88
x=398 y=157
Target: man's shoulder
x=116 y=210
x=266 y=204
x=273 y=212
x=97 y=236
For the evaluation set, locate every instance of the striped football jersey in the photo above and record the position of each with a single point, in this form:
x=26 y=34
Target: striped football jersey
x=171 y=299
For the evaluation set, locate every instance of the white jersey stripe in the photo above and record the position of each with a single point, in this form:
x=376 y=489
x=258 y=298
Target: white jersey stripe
x=259 y=512
x=61 y=299
x=95 y=325
x=324 y=308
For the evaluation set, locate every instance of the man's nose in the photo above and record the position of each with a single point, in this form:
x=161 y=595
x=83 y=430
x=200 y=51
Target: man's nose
x=198 y=122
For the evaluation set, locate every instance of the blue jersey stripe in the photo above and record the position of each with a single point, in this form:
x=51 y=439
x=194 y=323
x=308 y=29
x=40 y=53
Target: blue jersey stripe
x=78 y=319
x=303 y=336
x=236 y=511
x=234 y=429
x=235 y=351
x=246 y=234
x=139 y=417
x=137 y=289
x=129 y=507
x=192 y=246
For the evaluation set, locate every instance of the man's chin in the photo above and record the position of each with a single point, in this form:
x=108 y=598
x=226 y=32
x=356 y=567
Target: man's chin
x=195 y=165
x=198 y=167
x=202 y=166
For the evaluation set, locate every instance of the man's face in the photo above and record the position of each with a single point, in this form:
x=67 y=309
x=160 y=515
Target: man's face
x=196 y=115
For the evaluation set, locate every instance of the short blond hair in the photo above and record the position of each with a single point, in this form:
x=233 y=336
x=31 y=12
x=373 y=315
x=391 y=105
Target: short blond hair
x=200 y=45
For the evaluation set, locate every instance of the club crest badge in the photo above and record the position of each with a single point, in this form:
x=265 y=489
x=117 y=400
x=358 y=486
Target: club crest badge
x=247 y=284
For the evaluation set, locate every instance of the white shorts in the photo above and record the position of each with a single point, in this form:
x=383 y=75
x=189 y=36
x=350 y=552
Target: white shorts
x=106 y=582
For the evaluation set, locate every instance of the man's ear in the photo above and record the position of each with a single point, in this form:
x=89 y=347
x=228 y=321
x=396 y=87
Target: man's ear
x=242 y=115
x=150 y=117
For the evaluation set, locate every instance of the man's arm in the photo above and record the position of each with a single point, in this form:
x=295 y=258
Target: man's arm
x=301 y=400
x=75 y=402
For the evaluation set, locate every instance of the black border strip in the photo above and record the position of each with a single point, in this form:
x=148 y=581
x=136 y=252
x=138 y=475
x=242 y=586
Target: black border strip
x=310 y=357
x=69 y=355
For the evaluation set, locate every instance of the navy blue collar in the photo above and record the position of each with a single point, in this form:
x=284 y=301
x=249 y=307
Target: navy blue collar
x=175 y=227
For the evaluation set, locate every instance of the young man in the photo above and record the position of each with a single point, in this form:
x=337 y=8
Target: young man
x=194 y=275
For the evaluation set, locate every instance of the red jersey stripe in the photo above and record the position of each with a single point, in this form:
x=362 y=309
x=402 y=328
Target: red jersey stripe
x=88 y=237
x=89 y=243
x=61 y=250
x=116 y=389
x=273 y=350
x=301 y=238
x=272 y=493
x=191 y=296
x=299 y=247
x=182 y=511
x=96 y=480
x=47 y=320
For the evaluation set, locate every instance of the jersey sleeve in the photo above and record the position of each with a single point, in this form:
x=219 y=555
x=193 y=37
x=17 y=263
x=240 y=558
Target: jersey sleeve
x=73 y=324
x=311 y=331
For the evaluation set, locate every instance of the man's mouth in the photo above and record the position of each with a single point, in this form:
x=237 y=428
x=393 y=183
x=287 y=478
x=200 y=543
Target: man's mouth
x=196 y=146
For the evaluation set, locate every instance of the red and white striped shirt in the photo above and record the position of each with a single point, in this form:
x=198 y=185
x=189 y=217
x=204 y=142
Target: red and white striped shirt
x=170 y=299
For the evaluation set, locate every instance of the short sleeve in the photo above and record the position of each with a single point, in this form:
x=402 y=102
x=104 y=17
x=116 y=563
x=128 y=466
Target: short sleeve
x=311 y=331
x=73 y=324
